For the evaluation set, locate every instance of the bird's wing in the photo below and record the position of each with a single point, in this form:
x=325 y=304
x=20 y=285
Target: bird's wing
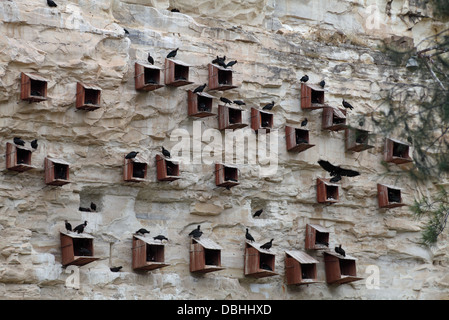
x=349 y=173
x=326 y=165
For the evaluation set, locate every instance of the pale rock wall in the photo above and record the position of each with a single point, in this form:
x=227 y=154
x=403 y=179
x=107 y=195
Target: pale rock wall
x=275 y=43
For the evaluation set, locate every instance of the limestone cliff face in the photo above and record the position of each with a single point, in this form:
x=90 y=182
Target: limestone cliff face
x=275 y=43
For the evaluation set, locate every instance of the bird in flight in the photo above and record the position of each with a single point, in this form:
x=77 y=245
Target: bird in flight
x=336 y=171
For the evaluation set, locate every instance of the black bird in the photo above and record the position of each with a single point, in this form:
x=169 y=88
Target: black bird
x=131 y=155
x=304 y=78
x=51 y=3
x=335 y=179
x=196 y=233
x=150 y=59
x=267 y=245
x=268 y=106
x=93 y=207
x=173 y=53
x=166 y=153
x=337 y=171
x=225 y=100
x=239 y=102
x=142 y=231
x=346 y=104
x=322 y=83
x=80 y=228
x=258 y=213
x=126 y=31
x=340 y=250
x=217 y=59
x=160 y=237
x=174 y=10
x=248 y=236
x=231 y=63
x=34 y=144
x=199 y=89
x=68 y=226
x=19 y=141
x=304 y=122
x=220 y=61
x=116 y=269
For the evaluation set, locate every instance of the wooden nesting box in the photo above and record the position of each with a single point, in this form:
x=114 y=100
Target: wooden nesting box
x=33 y=87
x=200 y=104
x=147 y=77
x=77 y=249
x=300 y=268
x=176 y=73
x=356 y=140
x=220 y=78
x=317 y=237
x=135 y=169
x=312 y=96
x=388 y=196
x=333 y=119
x=261 y=120
x=167 y=170
x=148 y=254
x=297 y=139
x=327 y=192
x=396 y=151
x=340 y=269
x=205 y=256
x=18 y=158
x=87 y=97
x=56 y=171
x=226 y=176
x=259 y=263
x=230 y=118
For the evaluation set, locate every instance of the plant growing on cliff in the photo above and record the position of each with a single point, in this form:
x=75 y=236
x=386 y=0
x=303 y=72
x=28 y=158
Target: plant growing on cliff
x=419 y=113
x=437 y=212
